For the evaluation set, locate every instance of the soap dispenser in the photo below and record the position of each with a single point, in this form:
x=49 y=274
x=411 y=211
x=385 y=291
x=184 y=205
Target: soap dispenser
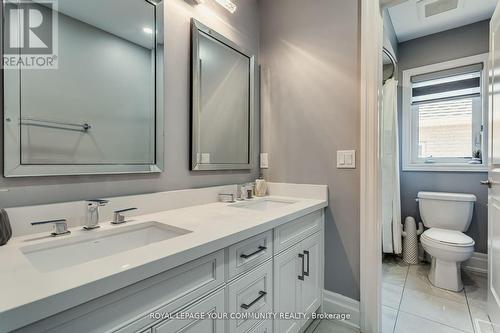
x=260 y=187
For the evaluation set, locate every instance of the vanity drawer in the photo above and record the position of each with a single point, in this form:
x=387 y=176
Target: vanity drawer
x=249 y=253
x=292 y=232
x=128 y=309
x=211 y=305
x=263 y=327
x=252 y=293
x=193 y=283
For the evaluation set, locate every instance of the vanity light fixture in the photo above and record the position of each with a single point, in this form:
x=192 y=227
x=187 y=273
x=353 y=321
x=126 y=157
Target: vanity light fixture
x=228 y=4
x=147 y=30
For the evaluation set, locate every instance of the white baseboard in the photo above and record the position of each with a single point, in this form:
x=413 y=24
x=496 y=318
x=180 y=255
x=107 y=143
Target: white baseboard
x=478 y=263
x=337 y=303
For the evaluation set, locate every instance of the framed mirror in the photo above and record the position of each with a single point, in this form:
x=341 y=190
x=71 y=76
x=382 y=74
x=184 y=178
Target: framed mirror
x=222 y=116
x=96 y=105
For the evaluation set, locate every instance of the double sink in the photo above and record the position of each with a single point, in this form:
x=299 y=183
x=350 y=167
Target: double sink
x=82 y=248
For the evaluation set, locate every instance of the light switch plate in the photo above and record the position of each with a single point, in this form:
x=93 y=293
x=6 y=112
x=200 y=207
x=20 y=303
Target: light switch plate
x=346 y=159
x=264 y=161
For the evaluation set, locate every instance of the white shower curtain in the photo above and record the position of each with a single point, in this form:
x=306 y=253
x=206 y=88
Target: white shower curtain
x=391 y=204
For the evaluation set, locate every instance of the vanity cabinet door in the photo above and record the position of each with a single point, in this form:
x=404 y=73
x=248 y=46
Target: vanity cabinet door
x=287 y=298
x=264 y=327
x=298 y=281
x=211 y=305
x=312 y=284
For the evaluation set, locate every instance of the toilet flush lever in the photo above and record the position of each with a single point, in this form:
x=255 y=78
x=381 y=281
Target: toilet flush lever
x=488 y=183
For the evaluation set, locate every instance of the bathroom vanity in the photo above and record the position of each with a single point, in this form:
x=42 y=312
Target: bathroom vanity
x=258 y=256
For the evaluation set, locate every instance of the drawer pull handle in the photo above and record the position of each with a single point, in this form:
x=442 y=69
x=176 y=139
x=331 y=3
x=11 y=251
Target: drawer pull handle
x=247 y=306
x=301 y=277
x=246 y=256
x=306 y=273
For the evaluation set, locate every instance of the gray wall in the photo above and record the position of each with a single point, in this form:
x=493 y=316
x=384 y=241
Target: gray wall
x=448 y=45
x=390 y=41
x=310 y=92
x=242 y=27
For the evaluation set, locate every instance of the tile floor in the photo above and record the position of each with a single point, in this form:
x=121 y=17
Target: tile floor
x=411 y=304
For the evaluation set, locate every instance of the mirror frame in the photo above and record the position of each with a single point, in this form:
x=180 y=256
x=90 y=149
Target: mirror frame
x=12 y=144
x=197 y=28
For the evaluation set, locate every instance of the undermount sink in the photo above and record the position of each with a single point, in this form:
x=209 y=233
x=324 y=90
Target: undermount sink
x=61 y=253
x=264 y=204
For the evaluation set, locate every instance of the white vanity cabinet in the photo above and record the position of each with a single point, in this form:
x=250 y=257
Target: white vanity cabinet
x=298 y=282
x=279 y=270
x=209 y=306
x=128 y=309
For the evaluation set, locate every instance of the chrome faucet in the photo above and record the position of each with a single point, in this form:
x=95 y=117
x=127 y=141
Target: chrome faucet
x=60 y=227
x=118 y=217
x=92 y=220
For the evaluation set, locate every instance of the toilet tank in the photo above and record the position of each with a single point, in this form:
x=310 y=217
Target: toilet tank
x=446 y=210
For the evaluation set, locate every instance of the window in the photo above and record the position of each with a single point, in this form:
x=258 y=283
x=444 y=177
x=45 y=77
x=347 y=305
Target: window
x=444 y=107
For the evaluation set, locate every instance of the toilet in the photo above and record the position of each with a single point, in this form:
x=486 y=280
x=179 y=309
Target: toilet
x=447 y=216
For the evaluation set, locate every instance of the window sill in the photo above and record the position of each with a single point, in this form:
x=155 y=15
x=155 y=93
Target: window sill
x=448 y=167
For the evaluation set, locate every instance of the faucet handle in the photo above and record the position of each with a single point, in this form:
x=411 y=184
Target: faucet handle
x=60 y=226
x=118 y=217
x=98 y=202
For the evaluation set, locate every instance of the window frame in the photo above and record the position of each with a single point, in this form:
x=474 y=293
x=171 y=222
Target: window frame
x=409 y=144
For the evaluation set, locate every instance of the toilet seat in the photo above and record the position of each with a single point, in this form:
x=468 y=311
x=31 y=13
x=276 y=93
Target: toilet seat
x=447 y=237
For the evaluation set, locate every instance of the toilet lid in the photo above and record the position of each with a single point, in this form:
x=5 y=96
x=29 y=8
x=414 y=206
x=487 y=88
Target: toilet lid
x=444 y=236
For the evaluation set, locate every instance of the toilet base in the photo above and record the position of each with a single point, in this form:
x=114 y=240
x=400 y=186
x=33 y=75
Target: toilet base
x=446 y=275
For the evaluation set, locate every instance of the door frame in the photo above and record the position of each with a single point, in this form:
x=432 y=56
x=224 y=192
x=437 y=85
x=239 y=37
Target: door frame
x=370 y=228
x=492 y=307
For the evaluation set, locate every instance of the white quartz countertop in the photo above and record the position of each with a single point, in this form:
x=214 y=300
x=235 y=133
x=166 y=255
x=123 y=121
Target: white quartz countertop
x=28 y=295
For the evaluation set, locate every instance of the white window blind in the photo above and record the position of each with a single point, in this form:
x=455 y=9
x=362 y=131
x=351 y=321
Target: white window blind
x=445 y=85
x=446 y=116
